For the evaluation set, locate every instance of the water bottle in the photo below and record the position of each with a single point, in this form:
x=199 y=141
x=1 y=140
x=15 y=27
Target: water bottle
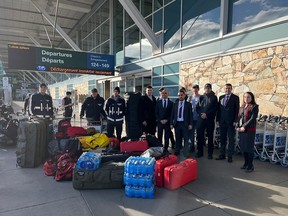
x=137 y=191
x=129 y=191
x=141 y=180
x=149 y=192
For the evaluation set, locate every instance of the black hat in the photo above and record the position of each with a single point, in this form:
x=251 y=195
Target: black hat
x=42 y=85
x=94 y=90
x=208 y=85
x=117 y=89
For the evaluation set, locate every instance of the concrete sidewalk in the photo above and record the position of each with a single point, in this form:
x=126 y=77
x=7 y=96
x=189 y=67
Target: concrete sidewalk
x=221 y=189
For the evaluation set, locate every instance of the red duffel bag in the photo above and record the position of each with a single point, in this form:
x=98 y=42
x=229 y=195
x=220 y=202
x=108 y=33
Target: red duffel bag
x=134 y=146
x=76 y=131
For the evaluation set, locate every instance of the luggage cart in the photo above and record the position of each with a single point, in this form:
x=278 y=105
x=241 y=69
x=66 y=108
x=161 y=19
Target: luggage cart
x=284 y=160
x=279 y=141
x=217 y=140
x=258 y=143
x=268 y=138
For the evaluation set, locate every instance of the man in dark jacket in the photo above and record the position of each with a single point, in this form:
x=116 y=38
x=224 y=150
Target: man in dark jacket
x=148 y=112
x=41 y=104
x=181 y=119
x=207 y=108
x=115 y=109
x=163 y=113
x=68 y=105
x=227 y=117
x=93 y=106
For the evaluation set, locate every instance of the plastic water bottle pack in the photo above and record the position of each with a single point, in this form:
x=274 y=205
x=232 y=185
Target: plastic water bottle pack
x=139 y=177
x=89 y=161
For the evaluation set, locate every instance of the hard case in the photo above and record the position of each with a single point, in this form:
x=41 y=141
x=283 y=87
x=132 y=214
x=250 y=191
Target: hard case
x=160 y=166
x=180 y=174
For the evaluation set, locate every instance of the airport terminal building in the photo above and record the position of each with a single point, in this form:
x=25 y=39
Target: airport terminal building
x=173 y=43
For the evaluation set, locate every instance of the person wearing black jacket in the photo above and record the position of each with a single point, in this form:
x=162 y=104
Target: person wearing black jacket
x=93 y=106
x=181 y=119
x=68 y=105
x=115 y=109
x=148 y=112
x=163 y=112
x=227 y=117
x=41 y=104
x=207 y=108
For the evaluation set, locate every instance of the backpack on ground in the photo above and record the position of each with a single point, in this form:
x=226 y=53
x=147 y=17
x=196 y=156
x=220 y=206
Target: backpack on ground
x=65 y=165
x=63 y=125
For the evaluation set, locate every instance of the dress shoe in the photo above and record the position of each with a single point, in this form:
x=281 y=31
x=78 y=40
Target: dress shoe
x=230 y=160
x=221 y=157
x=210 y=157
x=248 y=170
x=198 y=155
x=243 y=167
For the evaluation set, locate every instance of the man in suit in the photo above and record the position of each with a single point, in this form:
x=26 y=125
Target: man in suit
x=148 y=112
x=227 y=116
x=207 y=108
x=163 y=112
x=181 y=119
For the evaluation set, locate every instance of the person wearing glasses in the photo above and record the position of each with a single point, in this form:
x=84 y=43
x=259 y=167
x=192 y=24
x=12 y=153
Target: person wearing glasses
x=41 y=104
x=181 y=120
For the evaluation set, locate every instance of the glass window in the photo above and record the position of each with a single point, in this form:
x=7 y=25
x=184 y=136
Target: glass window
x=172 y=26
x=157 y=4
x=122 y=86
x=173 y=91
x=56 y=92
x=105 y=48
x=201 y=21
x=130 y=84
x=146 y=7
x=104 y=11
x=146 y=48
x=69 y=87
x=105 y=31
x=128 y=20
x=171 y=68
x=167 y=1
x=157 y=71
x=156 y=81
x=171 y=80
x=132 y=45
x=138 y=84
x=118 y=33
x=157 y=20
x=146 y=82
x=249 y=13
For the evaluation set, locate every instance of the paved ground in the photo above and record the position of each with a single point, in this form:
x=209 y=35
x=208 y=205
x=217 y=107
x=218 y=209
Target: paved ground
x=221 y=189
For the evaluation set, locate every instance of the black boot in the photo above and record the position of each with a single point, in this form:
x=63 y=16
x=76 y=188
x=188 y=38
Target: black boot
x=250 y=167
x=246 y=161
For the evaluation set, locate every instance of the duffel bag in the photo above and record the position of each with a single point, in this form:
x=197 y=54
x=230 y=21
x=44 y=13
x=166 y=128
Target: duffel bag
x=65 y=165
x=76 y=131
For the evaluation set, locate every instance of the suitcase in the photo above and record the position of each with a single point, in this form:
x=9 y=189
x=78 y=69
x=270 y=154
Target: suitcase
x=134 y=146
x=32 y=143
x=160 y=166
x=110 y=175
x=180 y=174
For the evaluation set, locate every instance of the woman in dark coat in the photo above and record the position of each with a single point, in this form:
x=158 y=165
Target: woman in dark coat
x=248 y=113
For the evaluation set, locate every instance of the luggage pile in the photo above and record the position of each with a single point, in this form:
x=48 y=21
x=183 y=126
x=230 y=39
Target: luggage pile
x=139 y=177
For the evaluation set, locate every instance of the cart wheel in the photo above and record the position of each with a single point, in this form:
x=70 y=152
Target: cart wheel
x=272 y=160
x=262 y=157
x=284 y=162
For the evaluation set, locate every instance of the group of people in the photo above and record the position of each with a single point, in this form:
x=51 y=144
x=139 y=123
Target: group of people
x=188 y=116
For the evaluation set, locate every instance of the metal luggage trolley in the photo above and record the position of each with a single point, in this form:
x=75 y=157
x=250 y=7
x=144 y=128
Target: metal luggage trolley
x=279 y=141
x=284 y=160
x=100 y=126
x=258 y=143
x=268 y=138
x=217 y=140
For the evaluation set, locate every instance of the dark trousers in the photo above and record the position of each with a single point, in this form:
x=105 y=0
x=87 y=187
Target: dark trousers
x=227 y=129
x=208 y=125
x=166 y=128
x=150 y=128
x=180 y=132
x=110 y=129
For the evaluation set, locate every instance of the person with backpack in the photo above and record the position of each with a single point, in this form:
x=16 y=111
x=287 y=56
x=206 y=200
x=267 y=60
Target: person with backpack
x=68 y=105
x=115 y=110
x=93 y=107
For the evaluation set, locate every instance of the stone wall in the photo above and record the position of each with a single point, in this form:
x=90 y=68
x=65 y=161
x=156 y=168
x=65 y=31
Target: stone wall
x=263 y=72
